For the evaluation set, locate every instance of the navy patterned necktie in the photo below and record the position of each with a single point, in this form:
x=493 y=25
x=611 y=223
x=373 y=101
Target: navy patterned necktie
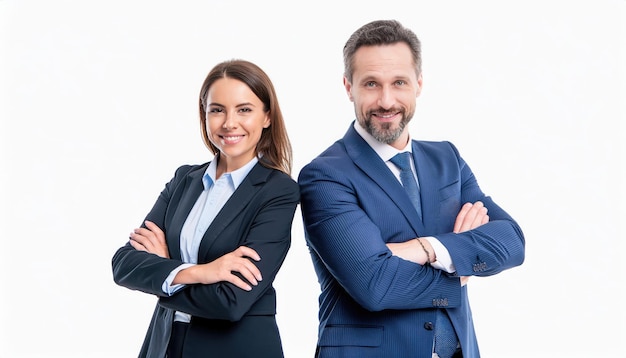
x=445 y=337
x=403 y=161
x=446 y=341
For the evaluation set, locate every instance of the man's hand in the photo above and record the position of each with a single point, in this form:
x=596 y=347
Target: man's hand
x=470 y=217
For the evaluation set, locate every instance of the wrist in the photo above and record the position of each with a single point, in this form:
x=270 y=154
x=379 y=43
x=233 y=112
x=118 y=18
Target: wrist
x=428 y=255
x=187 y=276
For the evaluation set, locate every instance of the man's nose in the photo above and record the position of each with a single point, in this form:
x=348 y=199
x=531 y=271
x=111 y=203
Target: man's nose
x=386 y=98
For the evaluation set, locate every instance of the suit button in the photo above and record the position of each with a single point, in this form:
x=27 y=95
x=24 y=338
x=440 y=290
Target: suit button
x=429 y=326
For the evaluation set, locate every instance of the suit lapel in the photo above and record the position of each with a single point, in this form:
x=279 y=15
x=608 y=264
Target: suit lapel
x=235 y=205
x=370 y=163
x=191 y=192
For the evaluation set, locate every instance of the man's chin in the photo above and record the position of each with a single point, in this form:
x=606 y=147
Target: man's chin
x=388 y=136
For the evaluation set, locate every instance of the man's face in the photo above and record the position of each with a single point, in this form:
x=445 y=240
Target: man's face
x=384 y=90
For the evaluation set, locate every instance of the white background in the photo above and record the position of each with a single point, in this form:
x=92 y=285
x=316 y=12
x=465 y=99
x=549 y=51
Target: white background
x=98 y=106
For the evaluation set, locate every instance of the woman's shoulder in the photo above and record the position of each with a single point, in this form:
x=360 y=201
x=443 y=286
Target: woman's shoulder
x=281 y=181
x=186 y=169
x=282 y=177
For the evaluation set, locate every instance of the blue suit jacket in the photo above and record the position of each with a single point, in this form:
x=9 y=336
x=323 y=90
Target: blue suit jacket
x=227 y=321
x=374 y=304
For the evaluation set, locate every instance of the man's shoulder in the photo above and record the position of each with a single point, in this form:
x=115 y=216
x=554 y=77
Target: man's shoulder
x=436 y=147
x=333 y=158
x=336 y=152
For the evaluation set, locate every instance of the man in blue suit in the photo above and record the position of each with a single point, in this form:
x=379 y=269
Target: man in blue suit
x=392 y=270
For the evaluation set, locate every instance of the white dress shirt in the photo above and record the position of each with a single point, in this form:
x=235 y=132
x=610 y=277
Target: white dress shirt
x=386 y=152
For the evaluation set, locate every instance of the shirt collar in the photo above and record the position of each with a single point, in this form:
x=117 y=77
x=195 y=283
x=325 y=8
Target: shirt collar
x=384 y=150
x=236 y=176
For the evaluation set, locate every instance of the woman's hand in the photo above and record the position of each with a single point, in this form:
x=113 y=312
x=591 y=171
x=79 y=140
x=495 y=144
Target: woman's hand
x=150 y=239
x=223 y=269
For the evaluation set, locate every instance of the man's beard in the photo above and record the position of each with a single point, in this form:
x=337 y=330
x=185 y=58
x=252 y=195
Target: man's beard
x=384 y=132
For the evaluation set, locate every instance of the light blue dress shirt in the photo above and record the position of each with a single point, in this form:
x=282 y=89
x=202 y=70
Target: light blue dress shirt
x=215 y=194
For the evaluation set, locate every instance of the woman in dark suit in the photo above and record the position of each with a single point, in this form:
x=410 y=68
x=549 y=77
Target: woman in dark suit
x=218 y=233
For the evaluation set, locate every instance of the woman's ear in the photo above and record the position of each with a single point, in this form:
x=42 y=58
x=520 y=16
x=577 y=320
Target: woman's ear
x=267 y=122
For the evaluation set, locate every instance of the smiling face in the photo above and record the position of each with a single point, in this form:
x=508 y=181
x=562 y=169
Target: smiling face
x=384 y=89
x=235 y=119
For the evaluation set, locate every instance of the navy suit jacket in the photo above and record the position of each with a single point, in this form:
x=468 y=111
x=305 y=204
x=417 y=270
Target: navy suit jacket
x=374 y=304
x=227 y=321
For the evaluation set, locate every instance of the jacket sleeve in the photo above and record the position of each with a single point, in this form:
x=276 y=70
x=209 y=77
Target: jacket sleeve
x=268 y=233
x=349 y=249
x=142 y=271
x=491 y=248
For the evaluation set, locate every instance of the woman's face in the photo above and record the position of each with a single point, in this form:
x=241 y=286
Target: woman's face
x=235 y=120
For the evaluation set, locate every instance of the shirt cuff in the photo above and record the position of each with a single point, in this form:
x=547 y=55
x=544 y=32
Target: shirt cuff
x=170 y=288
x=444 y=261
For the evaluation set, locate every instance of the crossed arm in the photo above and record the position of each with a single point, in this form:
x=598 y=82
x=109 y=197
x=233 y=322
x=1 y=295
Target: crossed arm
x=419 y=251
x=152 y=239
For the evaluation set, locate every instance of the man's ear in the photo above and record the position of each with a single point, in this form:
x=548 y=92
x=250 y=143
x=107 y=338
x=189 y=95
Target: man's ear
x=348 y=87
x=419 y=85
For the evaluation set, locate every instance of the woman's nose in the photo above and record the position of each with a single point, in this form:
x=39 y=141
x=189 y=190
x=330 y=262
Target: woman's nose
x=229 y=122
